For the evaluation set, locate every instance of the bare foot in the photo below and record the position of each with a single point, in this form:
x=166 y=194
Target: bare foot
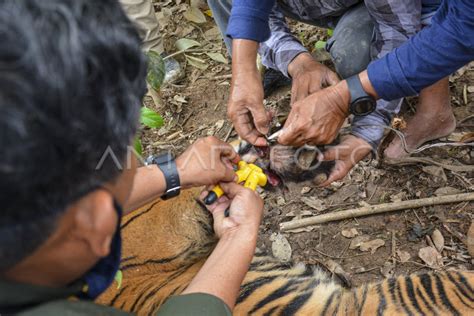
x=421 y=129
x=434 y=118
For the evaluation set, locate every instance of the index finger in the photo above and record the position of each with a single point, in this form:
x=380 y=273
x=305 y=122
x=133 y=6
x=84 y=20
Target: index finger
x=231 y=189
x=227 y=151
x=245 y=128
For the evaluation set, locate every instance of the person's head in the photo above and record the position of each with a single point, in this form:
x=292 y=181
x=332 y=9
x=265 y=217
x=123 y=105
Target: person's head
x=72 y=77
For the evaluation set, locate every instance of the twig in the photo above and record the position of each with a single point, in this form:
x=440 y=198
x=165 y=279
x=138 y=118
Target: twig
x=181 y=137
x=227 y=136
x=376 y=209
x=221 y=77
x=340 y=258
x=428 y=161
x=190 y=50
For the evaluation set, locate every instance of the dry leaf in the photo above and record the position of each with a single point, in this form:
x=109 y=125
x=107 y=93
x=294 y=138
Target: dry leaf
x=435 y=171
x=336 y=268
x=180 y=99
x=217 y=57
x=404 y=256
x=197 y=62
x=431 y=257
x=438 y=240
x=281 y=248
x=372 y=245
x=213 y=33
x=355 y=243
x=398 y=197
x=195 y=15
x=470 y=240
x=446 y=191
x=186 y=43
x=350 y=233
x=314 y=203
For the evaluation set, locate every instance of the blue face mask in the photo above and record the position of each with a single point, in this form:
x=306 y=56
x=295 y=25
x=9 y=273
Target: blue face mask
x=99 y=277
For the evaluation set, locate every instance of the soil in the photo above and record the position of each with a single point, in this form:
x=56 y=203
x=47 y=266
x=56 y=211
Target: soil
x=372 y=181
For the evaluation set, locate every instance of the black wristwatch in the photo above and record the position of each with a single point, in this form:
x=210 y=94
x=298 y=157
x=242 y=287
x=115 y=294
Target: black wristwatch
x=361 y=103
x=167 y=165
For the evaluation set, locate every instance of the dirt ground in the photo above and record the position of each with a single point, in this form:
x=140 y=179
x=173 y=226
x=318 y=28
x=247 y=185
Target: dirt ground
x=196 y=107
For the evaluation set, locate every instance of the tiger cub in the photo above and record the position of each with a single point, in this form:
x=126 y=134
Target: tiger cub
x=166 y=243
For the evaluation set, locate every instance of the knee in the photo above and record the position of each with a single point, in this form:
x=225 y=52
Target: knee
x=350 y=58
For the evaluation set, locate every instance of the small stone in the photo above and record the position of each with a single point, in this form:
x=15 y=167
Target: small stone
x=281 y=248
x=404 y=256
x=305 y=190
x=470 y=89
x=280 y=201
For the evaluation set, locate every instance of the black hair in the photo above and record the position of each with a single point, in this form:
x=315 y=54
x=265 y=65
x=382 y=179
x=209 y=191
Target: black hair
x=72 y=77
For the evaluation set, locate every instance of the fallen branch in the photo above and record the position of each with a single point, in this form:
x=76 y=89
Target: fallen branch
x=376 y=209
x=428 y=161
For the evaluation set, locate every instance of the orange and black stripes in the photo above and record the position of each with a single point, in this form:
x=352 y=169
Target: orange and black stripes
x=167 y=242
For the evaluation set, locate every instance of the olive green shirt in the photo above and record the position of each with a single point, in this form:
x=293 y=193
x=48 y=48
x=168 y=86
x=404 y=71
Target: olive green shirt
x=26 y=299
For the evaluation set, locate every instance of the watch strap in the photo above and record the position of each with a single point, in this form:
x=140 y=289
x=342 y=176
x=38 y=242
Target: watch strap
x=355 y=88
x=167 y=165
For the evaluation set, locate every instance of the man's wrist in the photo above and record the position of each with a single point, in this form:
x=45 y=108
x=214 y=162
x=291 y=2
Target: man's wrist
x=342 y=91
x=367 y=85
x=241 y=235
x=298 y=63
x=183 y=176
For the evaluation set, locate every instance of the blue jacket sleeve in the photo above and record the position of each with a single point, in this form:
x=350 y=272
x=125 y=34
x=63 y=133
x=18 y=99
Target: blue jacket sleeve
x=249 y=20
x=429 y=56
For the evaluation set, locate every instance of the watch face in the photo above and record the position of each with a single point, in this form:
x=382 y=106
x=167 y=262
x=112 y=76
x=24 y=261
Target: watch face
x=363 y=106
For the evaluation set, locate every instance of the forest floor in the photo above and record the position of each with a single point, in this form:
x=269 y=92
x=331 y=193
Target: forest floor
x=196 y=106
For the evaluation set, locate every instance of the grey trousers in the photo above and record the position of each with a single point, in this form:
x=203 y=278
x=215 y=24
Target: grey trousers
x=142 y=14
x=349 y=46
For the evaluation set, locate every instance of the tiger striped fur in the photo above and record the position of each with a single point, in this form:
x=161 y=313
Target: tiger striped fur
x=166 y=243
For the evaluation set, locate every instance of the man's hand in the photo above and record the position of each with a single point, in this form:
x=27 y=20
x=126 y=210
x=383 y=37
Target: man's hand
x=309 y=76
x=246 y=209
x=208 y=161
x=316 y=120
x=245 y=108
x=347 y=154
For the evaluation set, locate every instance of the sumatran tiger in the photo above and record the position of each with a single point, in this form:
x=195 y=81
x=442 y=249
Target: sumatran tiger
x=166 y=243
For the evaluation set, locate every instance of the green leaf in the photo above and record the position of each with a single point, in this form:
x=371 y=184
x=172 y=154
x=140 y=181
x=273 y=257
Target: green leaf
x=195 y=15
x=186 y=43
x=150 y=118
x=320 y=45
x=330 y=32
x=197 y=62
x=217 y=57
x=138 y=146
x=156 y=70
x=119 y=279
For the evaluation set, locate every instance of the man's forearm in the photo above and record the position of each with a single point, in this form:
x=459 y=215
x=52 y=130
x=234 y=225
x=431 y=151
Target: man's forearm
x=149 y=184
x=244 y=56
x=225 y=269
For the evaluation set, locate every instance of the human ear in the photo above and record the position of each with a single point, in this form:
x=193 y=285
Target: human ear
x=96 y=221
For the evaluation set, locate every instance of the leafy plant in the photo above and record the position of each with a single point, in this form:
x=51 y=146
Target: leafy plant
x=155 y=77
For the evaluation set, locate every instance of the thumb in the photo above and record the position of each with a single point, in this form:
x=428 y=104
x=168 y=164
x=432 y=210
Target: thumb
x=231 y=189
x=333 y=78
x=260 y=119
x=331 y=154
